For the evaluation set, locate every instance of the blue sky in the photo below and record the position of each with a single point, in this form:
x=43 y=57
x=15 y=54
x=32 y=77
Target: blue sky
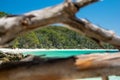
x=105 y=13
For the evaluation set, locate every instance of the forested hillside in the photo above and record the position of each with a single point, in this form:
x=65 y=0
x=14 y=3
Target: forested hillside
x=54 y=37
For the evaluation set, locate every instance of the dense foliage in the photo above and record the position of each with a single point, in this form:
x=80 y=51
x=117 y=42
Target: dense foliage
x=54 y=37
x=3 y=14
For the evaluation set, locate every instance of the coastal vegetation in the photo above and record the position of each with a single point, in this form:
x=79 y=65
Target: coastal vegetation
x=3 y=14
x=10 y=57
x=55 y=37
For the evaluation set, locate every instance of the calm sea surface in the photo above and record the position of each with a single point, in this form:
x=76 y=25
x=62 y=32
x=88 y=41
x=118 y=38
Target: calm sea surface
x=68 y=52
x=72 y=52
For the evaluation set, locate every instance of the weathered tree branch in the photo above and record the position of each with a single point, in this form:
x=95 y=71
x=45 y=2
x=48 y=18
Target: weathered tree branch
x=92 y=31
x=84 y=66
x=12 y=26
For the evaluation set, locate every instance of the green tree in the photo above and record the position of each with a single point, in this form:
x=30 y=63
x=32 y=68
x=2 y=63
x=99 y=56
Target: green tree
x=3 y=14
x=56 y=37
x=30 y=40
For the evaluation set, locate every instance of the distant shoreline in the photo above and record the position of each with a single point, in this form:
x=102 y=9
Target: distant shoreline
x=17 y=50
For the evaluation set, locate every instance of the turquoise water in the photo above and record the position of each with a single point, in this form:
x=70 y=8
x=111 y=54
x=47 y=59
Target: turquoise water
x=110 y=78
x=66 y=53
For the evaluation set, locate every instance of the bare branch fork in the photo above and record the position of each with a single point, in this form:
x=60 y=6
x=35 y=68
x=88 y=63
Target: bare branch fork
x=12 y=26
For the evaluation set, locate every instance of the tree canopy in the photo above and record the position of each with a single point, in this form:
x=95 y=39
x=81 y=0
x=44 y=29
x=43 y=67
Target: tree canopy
x=56 y=37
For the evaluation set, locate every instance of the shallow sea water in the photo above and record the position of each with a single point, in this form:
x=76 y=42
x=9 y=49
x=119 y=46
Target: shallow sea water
x=68 y=52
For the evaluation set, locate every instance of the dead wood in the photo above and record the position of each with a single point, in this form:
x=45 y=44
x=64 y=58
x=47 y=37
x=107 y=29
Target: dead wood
x=83 y=66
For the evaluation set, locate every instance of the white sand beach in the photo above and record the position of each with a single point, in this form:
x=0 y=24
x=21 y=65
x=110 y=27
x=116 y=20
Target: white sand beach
x=17 y=50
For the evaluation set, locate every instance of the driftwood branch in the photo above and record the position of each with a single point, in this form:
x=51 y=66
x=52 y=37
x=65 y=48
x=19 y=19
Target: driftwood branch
x=11 y=26
x=84 y=66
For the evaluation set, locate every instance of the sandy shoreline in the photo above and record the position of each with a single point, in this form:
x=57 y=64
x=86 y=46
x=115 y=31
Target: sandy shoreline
x=17 y=50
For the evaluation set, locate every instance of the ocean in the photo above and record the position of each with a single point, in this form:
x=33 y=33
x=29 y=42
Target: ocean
x=67 y=52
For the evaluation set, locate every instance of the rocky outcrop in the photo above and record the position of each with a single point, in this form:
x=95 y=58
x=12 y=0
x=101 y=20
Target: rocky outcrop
x=10 y=57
